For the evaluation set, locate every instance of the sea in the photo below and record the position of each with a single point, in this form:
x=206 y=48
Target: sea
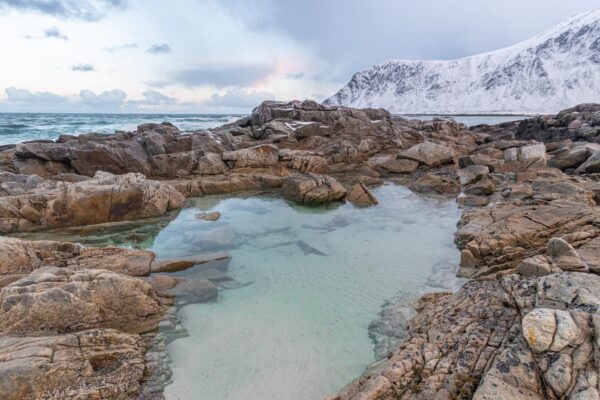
x=22 y=127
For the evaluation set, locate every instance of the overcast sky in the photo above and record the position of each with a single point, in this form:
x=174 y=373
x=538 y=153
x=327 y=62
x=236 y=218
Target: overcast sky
x=225 y=56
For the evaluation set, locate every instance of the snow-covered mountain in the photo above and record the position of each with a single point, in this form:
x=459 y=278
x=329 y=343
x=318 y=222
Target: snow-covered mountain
x=552 y=71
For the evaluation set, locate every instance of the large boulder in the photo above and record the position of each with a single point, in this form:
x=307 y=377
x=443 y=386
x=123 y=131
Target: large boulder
x=92 y=364
x=429 y=153
x=106 y=198
x=312 y=189
x=591 y=165
x=63 y=300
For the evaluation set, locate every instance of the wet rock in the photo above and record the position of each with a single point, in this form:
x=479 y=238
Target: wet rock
x=361 y=195
x=63 y=300
x=428 y=153
x=312 y=189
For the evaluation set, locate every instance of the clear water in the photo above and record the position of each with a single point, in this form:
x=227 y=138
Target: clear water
x=308 y=283
x=21 y=127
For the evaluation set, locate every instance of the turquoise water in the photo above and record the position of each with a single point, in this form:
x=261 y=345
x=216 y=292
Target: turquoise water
x=297 y=328
x=306 y=283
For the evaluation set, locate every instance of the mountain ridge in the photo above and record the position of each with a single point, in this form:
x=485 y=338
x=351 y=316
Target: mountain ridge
x=544 y=74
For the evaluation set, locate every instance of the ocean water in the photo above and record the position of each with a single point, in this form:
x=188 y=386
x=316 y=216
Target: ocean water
x=472 y=120
x=306 y=283
x=21 y=127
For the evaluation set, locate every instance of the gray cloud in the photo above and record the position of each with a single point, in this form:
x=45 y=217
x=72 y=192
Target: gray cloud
x=50 y=33
x=159 y=48
x=122 y=47
x=54 y=33
x=238 y=98
x=154 y=98
x=88 y=10
x=82 y=68
x=355 y=34
x=16 y=95
x=112 y=98
x=223 y=76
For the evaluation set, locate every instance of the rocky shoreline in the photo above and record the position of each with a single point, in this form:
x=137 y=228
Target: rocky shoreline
x=526 y=325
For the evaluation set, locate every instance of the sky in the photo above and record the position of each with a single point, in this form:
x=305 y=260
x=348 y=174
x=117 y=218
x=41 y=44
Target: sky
x=226 y=56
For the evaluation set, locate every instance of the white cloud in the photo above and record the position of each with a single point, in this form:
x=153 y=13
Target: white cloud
x=113 y=98
x=16 y=95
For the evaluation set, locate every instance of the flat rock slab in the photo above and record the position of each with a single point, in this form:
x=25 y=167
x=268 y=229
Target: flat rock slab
x=181 y=264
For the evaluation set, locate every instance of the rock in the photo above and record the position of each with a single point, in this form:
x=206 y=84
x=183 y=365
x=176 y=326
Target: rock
x=312 y=189
x=483 y=187
x=473 y=201
x=195 y=291
x=63 y=300
x=309 y=163
x=535 y=266
x=480 y=159
x=428 y=153
x=361 y=195
x=539 y=327
x=546 y=329
x=106 y=198
x=94 y=364
x=472 y=174
x=527 y=156
x=572 y=156
x=209 y=240
x=564 y=256
x=180 y=264
x=435 y=184
x=394 y=166
x=558 y=376
x=125 y=261
x=591 y=165
x=520 y=191
x=258 y=156
x=504 y=235
x=208 y=216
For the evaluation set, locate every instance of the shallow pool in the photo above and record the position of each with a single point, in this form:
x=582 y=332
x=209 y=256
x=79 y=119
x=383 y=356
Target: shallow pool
x=307 y=282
